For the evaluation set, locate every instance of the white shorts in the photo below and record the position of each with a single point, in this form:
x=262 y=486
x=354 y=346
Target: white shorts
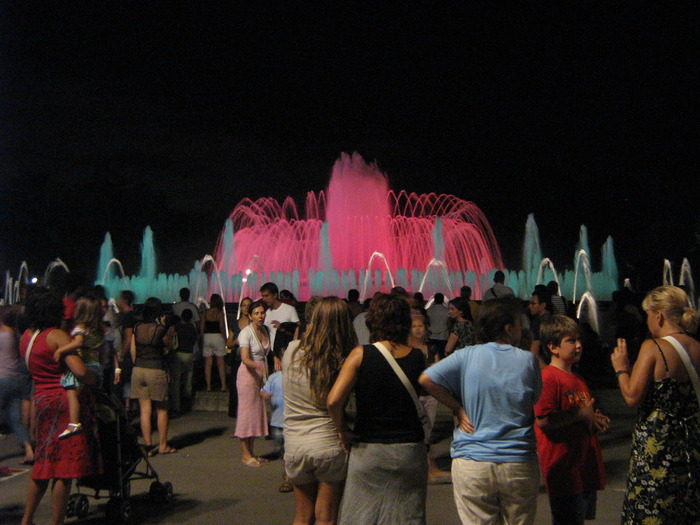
x=214 y=344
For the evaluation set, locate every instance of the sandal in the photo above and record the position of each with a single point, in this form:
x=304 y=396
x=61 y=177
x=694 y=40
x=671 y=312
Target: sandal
x=286 y=487
x=252 y=462
x=169 y=450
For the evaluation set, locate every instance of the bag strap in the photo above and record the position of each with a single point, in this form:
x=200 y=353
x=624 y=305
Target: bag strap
x=29 y=347
x=683 y=354
x=402 y=376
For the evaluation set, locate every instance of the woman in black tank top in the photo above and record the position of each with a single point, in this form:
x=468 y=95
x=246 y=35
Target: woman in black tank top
x=388 y=458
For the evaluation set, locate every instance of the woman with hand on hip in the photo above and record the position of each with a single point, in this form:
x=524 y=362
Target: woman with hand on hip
x=663 y=478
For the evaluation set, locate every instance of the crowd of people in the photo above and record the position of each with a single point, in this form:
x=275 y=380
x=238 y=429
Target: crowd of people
x=354 y=390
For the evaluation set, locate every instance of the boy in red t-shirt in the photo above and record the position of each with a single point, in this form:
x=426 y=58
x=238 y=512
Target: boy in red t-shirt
x=567 y=428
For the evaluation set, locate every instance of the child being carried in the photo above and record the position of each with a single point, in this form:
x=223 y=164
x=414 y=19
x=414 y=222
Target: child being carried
x=88 y=337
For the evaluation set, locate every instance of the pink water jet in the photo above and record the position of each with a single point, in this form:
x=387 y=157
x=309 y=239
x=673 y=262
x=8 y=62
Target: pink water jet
x=363 y=216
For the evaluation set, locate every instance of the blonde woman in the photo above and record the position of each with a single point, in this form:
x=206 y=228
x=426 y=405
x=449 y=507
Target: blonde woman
x=662 y=484
x=314 y=457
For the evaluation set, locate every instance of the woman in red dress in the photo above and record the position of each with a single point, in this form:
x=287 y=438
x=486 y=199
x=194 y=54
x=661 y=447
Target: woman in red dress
x=57 y=460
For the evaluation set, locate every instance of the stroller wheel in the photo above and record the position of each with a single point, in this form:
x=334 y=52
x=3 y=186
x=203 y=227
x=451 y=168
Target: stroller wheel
x=168 y=491
x=118 y=510
x=161 y=492
x=70 y=509
x=82 y=506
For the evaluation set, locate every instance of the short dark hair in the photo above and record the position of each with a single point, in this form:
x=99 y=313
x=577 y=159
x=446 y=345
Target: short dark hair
x=152 y=309
x=389 y=317
x=184 y=294
x=494 y=316
x=353 y=294
x=186 y=315
x=553 y=287
x=555 y=328
x=400 y=291
x=543 y=296
x=465 y=292
x=270 y=288
x=499 y=277
x=128 y=296
x=255 y=304
x=439 y=298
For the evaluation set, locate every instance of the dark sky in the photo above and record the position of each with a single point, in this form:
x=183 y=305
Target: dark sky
x=117 y=115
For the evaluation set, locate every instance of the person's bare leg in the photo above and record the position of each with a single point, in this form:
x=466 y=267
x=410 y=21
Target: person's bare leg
x=305 y=503
x=221 y=365
x=60 y=491
x=36 y=490
x=328 y=502
x=208 y=362
x=28 y=452
x=146 y=410
x=247 y=445
x=73 y=405
x=162 y=415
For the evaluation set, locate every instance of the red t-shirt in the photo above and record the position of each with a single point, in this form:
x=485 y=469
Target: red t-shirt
x=570 y=457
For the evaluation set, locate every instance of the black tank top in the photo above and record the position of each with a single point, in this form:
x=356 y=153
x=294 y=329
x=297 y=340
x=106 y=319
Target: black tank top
x=385 y=410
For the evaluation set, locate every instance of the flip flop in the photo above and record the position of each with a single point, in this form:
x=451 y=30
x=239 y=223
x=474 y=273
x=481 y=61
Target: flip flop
x=261 y=460
x=252 y=462
x=169 y=450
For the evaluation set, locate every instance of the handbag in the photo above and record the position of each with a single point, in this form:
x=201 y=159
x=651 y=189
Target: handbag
x=402 y=376
x=683 y=354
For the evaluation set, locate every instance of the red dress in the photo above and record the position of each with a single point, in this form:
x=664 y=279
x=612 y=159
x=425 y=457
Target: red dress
x=69 y=458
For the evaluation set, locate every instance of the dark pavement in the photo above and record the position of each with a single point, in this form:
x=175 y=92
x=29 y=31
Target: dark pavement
x=212 y=486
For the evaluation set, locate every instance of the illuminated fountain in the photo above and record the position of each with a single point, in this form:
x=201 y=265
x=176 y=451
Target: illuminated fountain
x=360 y=234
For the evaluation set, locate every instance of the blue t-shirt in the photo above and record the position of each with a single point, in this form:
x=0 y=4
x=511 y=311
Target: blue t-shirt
x=274 y=387
x=498 y=386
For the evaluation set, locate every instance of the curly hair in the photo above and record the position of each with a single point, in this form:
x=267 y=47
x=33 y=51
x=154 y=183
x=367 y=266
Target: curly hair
x=389 y=318
x=326 y=343
x=44 y=309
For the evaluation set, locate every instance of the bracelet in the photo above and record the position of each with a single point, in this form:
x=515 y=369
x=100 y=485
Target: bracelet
x=117 y=370
x=620 y=372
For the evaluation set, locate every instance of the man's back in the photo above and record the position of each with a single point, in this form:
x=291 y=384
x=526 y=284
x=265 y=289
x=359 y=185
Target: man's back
x=437 y=313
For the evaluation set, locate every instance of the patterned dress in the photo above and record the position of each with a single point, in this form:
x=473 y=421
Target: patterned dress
x=663 y=485
x=465 y=332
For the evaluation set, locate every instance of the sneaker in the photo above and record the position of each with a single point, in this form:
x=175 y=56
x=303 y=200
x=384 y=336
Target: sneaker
x=71 y=430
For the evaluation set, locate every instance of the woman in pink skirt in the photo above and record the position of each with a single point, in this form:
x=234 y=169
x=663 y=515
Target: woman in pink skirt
x=251 y=421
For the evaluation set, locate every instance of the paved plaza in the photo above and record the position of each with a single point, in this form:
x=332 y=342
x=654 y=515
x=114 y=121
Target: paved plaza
x=212 y=486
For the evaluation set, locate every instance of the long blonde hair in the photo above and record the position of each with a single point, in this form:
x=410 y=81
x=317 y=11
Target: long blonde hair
x=674 y=304
x=326 y=343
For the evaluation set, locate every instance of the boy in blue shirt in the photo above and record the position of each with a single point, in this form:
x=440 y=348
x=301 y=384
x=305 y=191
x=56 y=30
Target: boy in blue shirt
x=273 y=391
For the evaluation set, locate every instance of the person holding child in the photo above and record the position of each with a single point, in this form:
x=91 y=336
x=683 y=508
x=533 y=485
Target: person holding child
x=567 y=427
x=88 y=336
x=662 y=485
x=60 y=460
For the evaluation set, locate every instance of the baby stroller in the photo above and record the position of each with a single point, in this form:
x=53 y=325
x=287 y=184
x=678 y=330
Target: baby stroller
x=121 y=456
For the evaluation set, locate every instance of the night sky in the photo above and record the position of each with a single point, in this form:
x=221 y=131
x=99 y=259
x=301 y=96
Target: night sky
x=118 y=115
